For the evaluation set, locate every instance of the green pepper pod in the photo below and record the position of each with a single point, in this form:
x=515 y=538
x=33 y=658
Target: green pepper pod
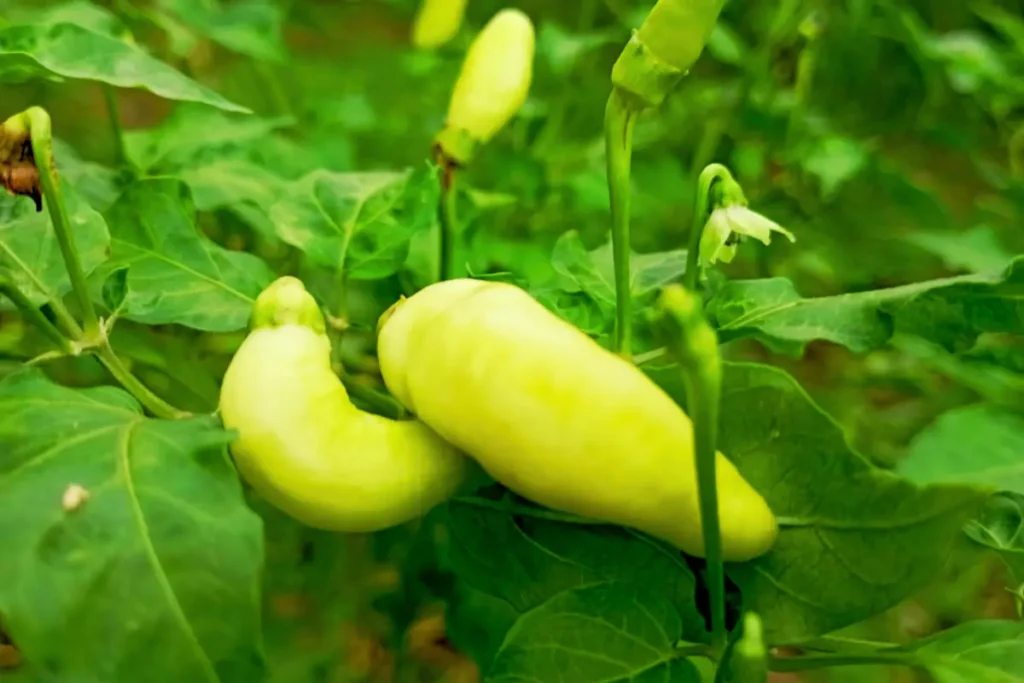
x=747 y=661
x=666 y=46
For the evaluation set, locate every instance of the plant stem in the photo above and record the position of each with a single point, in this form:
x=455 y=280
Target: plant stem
x=114 y=112
x=703 y=389
x=619 y=120
x=40 y=129
x=694 y=345
x=1016 y=148
x=448 y=220
x=156 y=405
x=791 y=664
x=701 y=210
x=29 y=311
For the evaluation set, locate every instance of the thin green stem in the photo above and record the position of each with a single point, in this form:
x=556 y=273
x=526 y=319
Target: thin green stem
x=32 y=314
x=701 y=211
x=448 y=220
x=792 y=664
x=40 y=129
x=153 y=403
x=619 y=120
x=703 y=390
x=377 y=402
x=1016 y=149
x=117 y=130
x=694 y=345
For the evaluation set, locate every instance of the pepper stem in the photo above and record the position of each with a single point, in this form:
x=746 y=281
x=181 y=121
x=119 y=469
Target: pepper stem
x=694 y=346
x=40 y=130
x=446 y=212
x=156 y=405
x=711 y=174
x=619 y=119
x=31 y=313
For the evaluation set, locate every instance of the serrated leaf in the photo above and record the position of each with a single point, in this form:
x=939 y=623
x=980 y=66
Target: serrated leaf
x=854 y=540
x=175 y=274
x=74 y=52
x=29 y=249
x=975 y=444
x=951 y=310
x=128 y=532
x=617 y=632
x=357 y=223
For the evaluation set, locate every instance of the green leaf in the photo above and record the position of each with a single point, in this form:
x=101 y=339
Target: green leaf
x=76 y=53
x=78 y=12
x=976 y=250
x=983 y=651
x=976 y=444
x=834 y=161
x=175 y=274
x=592 y=272
x=357 y=223
x=952 y=311
x=242 y=187
x=97 y=184
x=248 y=27
x=195 y=135
x=854 y=539
x=1000 y=526
x=617 y=632
x=29 y=249
x=128 y=532
x=979 y=369
x=544 y=563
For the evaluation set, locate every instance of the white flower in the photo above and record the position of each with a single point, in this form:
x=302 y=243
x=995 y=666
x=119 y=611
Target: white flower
x=727 y=225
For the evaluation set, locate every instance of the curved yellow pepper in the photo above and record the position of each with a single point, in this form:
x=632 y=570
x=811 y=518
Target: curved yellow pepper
x=557 y=418
x=305 y=447
x=437 y=22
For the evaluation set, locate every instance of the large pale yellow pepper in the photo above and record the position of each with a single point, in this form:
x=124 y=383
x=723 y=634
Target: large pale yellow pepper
x=437 y=22
x=493 y=84
x=557 y=418
x=305 y=447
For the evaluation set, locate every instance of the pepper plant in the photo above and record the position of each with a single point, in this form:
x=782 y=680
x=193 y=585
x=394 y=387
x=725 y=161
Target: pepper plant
x=219 y=214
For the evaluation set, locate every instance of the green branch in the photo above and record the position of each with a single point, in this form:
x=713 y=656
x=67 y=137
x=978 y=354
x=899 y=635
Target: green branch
x=619 y=120
x=694 y=345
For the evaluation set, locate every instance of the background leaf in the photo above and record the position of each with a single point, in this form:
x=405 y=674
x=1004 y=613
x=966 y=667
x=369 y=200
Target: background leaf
x=359 y=224
x=175 y=274
x=978 y=444
x=75 y=52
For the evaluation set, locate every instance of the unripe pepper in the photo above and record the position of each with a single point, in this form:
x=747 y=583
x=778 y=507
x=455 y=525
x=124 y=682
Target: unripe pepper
x=437 y=22
x=556 y=417
x=492 y=86
x=668 y=43
x=305 y=447
x=747 y=658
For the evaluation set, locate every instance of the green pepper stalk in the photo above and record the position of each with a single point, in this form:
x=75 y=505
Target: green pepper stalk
x=656 y=58
x=693 y=345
